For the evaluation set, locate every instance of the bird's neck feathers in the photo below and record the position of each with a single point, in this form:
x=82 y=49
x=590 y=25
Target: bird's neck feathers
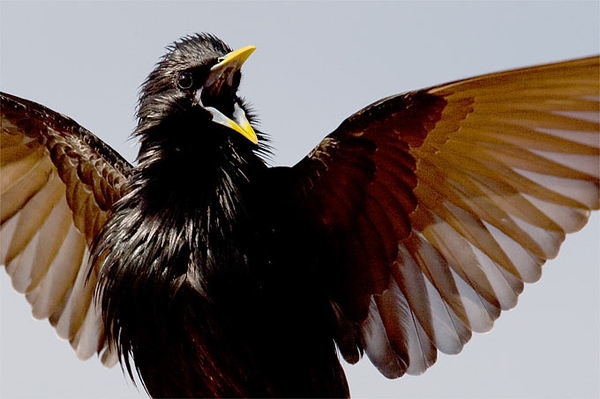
x=181 y=226
x=191 y=188
x=197 y=171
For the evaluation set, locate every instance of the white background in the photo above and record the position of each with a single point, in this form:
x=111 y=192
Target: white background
x=315 y=65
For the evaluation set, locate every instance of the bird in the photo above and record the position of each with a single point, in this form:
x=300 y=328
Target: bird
x=209 y=273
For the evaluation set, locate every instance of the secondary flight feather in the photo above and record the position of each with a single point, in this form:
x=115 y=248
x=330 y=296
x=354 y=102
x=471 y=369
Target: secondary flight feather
x=413 y=224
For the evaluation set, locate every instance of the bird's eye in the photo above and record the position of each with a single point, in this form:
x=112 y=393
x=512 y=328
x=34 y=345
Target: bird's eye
x=185 y=80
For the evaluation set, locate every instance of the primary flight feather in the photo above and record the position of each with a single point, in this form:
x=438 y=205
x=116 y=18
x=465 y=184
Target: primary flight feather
x=210 y=274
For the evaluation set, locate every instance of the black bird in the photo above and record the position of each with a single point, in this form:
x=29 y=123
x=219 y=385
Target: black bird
x=210 y=274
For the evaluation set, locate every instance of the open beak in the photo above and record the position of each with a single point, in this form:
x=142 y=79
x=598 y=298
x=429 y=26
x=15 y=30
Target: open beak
x=222 y=74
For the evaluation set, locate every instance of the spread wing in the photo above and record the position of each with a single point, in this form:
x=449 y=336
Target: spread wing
x=437 y=206
x=57 y=185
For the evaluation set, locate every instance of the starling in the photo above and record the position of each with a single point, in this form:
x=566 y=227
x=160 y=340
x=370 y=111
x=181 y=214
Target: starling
x=210 y=274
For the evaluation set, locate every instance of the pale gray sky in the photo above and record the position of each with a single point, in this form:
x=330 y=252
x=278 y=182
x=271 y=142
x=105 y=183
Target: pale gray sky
x=316 y=64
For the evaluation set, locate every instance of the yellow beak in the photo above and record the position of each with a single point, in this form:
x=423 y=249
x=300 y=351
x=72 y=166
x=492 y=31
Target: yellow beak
x=236 y=57
x=222 y=73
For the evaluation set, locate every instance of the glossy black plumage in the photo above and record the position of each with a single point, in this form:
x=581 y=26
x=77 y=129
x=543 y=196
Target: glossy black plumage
x=220 y=276
x=184 y=244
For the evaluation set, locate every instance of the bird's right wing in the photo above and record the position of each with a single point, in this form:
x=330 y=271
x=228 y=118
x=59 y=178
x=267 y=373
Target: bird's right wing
x=436 y=206
x=57 y=185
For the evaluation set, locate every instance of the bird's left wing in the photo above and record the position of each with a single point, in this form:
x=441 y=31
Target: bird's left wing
x=57 y=185
x=434 y=207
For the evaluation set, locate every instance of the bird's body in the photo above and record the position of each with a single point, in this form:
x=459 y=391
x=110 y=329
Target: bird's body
x=212 y=274
x=223 y=259
x=199 y=238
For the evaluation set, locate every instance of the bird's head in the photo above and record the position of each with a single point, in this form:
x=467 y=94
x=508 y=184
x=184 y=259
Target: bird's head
x=192 y=92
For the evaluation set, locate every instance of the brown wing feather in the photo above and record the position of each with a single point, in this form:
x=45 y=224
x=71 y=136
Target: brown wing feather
x=440 y=204
x=57 y=185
